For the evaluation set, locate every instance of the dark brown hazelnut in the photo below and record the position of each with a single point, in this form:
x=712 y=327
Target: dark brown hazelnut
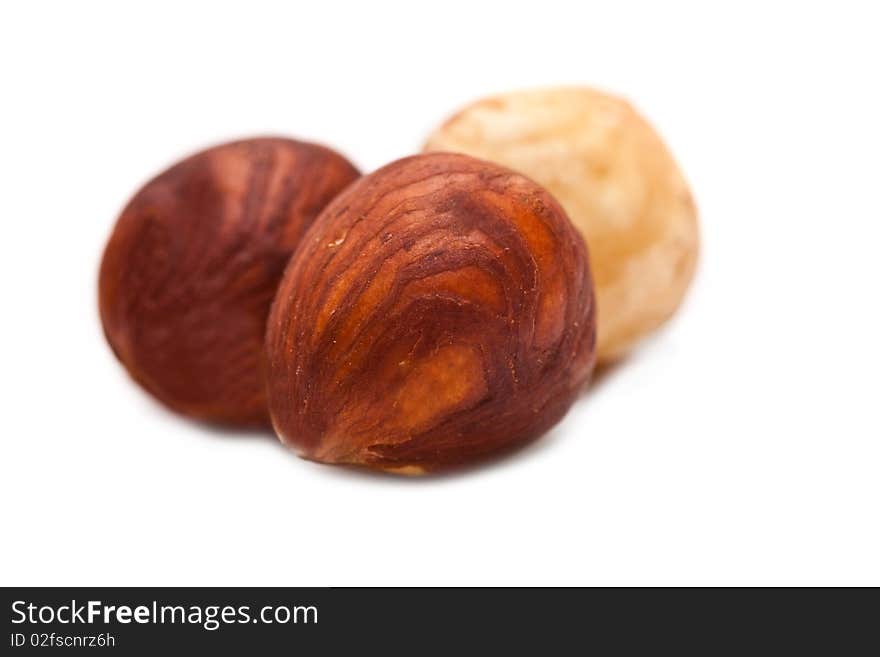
x=193 y=263
x=438 y=311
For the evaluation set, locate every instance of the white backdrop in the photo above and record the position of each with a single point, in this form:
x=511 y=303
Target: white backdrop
x=741 y=446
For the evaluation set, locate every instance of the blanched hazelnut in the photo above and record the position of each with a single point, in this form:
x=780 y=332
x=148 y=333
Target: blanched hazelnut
x=438 y=311
x=616 y=180
x=193 y=263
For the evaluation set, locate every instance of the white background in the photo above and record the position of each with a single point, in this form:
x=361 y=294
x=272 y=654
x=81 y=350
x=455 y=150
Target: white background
x=741 y=446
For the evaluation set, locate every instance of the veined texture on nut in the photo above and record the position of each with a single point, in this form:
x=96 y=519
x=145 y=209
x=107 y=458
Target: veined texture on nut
x=616 y=180
x=438 y=311
x=193 y=263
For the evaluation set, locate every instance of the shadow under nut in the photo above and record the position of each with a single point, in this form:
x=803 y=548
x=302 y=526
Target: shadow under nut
x=616 y=180
x=193 y=263
x=440 y=310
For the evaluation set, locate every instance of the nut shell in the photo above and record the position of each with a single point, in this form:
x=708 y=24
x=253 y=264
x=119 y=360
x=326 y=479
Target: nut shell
x=616 y=180
x=438 y=311
x=194 y=261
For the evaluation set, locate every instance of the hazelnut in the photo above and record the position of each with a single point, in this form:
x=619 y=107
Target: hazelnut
x=616 y=180
x=438 y=311
x=193 y=263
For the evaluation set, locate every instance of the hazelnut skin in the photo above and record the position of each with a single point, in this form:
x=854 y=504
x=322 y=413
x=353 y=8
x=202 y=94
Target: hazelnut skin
x=439 y=310
x=616 y=180
x=193 y=263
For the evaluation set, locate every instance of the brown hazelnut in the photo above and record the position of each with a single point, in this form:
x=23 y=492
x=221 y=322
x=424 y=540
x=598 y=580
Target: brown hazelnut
x=616 y=180
x=438 y=311
x=193 y=263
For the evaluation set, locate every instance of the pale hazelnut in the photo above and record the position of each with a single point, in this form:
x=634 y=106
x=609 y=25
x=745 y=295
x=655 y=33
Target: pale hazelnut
x=617 y=182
